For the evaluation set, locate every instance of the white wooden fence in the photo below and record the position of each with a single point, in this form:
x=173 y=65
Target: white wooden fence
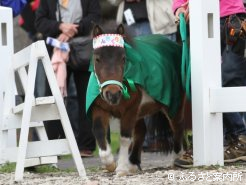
x=33 y=111
x=209 y=99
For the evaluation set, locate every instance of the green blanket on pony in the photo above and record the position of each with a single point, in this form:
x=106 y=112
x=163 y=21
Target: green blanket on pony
x=155 y=64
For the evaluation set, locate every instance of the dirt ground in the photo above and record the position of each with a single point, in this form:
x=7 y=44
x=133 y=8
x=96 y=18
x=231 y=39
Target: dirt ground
x=155 y=172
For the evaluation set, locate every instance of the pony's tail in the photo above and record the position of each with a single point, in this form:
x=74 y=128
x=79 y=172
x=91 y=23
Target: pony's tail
x=159 y=135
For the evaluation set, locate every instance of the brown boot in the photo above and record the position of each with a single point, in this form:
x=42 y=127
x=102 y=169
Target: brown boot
x=186 y=160
x=236 y=151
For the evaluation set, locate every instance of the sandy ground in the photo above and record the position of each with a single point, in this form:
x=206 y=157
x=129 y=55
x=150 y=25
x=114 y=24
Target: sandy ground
x=155 y=172
x=153 y=176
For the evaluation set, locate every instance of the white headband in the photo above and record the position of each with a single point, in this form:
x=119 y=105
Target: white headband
x=102 y=40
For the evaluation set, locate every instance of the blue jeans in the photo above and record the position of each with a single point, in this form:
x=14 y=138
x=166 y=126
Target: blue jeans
x=233 y=74
x=171 y=36
x=139 y=28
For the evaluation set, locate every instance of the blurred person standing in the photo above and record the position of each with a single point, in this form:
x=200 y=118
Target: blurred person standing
x=16 y=5
x=26 y=21
x=233 y=67
x=145 y=17
x=64 y=20
x=27 y=18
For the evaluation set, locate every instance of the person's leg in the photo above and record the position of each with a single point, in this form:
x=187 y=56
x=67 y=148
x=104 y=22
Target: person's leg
x=72 y=106
x=233 y=125
x=233 y=75
x=86 y=141
x=152 y=137
x=39 y=90
x=54 y=127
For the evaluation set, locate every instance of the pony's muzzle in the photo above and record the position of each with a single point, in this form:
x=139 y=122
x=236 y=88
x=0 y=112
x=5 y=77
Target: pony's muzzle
x=113 y=97
x=111 y=91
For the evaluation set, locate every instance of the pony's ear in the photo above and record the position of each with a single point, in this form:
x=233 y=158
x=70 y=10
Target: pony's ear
x=120 y=29
x=97 y=30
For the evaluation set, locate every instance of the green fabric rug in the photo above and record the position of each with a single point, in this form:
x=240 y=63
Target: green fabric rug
x=155 y=64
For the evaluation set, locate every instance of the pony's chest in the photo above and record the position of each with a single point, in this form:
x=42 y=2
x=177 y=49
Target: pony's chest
x=139 y=103
x=145 y=99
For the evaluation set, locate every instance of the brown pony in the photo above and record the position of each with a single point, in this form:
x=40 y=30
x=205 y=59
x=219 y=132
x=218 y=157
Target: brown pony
x=108 y=63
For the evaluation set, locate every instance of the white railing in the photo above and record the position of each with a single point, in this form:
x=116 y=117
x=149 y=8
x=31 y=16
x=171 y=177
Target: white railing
x=209 y=99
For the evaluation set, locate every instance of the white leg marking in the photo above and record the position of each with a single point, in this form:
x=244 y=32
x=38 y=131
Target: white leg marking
x=124 y=166
x=106 y=156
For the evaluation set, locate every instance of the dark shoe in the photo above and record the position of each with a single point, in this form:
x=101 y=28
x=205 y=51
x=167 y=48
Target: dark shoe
x=186 y=160
x=86 y=153
x=236 y=151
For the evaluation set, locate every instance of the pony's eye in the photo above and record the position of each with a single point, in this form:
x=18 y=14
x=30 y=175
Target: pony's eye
x=124 y=59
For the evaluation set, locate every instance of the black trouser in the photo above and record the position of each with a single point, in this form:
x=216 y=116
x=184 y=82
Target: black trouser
x=233 y=75
x=82 y=127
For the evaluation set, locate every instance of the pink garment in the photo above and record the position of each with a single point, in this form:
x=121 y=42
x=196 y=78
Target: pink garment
x=58 y=61
x=177 y=4
x=227 y=7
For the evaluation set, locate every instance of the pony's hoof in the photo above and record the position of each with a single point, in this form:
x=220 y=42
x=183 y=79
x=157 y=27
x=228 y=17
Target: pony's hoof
x=111 y=167
x=131 y=169
x=122 y=173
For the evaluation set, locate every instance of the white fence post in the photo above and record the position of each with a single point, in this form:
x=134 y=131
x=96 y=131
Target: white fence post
x=6 y=75
x=206 y=74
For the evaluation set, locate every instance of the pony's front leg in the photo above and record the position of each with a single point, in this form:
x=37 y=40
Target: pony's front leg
x=125 y=166
x=100 y=127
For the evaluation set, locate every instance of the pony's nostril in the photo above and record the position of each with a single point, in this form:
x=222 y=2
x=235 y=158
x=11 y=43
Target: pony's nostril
x=108 y=95
x=118 y=94
x=113 y=98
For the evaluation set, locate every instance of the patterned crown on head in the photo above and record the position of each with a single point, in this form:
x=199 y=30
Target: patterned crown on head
x=103 y=40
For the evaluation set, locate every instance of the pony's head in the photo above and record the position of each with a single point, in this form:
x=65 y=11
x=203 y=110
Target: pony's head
x=108 y=60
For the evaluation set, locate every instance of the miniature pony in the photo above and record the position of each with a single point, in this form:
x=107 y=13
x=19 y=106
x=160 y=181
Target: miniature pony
x=127 y=101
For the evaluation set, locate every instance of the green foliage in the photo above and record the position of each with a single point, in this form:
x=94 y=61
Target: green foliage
x=10 y=167
x=66 y=157
x=7 y=168
x=50 y=169
x=115 y=144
